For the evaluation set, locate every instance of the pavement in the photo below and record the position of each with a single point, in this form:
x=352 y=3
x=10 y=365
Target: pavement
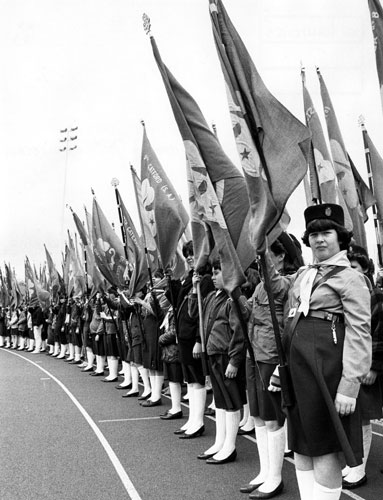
x=66 y=435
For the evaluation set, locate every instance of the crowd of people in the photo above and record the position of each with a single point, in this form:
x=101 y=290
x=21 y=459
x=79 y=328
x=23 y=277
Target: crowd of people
x=315 y=403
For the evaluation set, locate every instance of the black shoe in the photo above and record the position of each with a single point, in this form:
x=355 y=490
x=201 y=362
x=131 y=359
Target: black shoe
x=149 y=403
x=130 y=395
x=209 y=412
x=97 y=374
x=79 y=362
x=226 y=460
x=242 y=432
x=288 y=453
x=195 y=434
x=260 y=494
x=90 y=369
x=249 y=488
x=123 y=387
x=68 y=360
x=111 y=380
x=350 y=486
x=179 y=431
x=171 y=416
x=144 y=398
x=205 y=456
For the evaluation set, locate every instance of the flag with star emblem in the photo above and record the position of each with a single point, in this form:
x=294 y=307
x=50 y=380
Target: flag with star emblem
x=135 y=253
x=162 y=201
x=217 y=193
x=272 y=143
x=108 y=249
x=342 y=167
x=376 y=13
x=147 y=223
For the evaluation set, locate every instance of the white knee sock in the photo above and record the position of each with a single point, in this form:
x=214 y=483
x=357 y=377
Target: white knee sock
x=100 y=363
x=246 y=413
x=144 y=372
x=305 y=480
x=232 y=424
x=220 y=432
x=90 y=357
x=197 y=400
x=276 y=447
x=175 y=395
x=113 y=368
x=157 y=383
x=189 y=421
x=263 y=453
x=323 y=493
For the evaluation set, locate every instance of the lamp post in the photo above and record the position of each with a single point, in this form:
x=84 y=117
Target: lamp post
x=68 y=143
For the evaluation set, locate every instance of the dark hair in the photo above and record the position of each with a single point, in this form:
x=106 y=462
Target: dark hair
x=216 y=264
x=360 y=255
x=187 y=249
x=277 y=247
x=319 y=225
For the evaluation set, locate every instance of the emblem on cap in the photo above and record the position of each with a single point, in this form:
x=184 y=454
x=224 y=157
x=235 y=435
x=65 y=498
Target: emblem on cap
x=328 y=212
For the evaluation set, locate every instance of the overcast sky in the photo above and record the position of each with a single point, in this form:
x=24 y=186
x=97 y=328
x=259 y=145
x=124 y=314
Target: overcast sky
x=88 y=64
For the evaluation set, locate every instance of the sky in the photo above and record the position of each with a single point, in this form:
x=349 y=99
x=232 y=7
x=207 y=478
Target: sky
x=89 y=64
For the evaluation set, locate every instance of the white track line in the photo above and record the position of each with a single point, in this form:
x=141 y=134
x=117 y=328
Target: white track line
x=128 y=485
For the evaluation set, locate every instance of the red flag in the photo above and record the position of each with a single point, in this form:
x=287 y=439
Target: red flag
x=272 y=143
x=163 y=204
x=208 y=164
x=135 y=252
x=108 y=249
x=342 y=167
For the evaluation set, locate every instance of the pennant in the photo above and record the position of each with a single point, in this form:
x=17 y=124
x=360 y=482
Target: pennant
x=135 y=252
x=222 y=228
x=273 y=145
x=108 y=249
x=376 y=13
x=76 y=271
x=342 y=167
x=162 y=203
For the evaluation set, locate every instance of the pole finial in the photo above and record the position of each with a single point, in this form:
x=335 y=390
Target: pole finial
x=92 y=190
x=146 y=23
x=143 y=123
x=115 y=182
x=361 y=122
x=303 y=73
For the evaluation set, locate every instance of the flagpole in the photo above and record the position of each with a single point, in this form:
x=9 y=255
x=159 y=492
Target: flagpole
x=371 y=185
x=201 y=329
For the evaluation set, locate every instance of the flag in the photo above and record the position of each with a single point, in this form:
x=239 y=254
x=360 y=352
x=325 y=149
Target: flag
x=4 y=294
x=273 y=145
x=147 y=224
x=96 y=279
x=219 y=212
x=108 y=249
x=366 y=198
x=162 y=203
x=56 y=282
x=135 y=252
x=376 y=13
x=80 y=229
x=376 y=164
x=342 y=166
x=36 y=294
x=76 y=271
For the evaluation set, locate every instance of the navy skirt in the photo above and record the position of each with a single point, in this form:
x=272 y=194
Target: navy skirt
x=314 y=426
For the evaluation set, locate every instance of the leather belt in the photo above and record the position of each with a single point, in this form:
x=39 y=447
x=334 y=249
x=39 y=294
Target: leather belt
x=327 y=316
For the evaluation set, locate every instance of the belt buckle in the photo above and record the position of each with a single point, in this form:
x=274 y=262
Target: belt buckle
x=328 y=316
x=292 y=312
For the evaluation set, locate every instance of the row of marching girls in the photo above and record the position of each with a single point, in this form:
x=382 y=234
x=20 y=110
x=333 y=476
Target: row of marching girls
x=24 y=328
